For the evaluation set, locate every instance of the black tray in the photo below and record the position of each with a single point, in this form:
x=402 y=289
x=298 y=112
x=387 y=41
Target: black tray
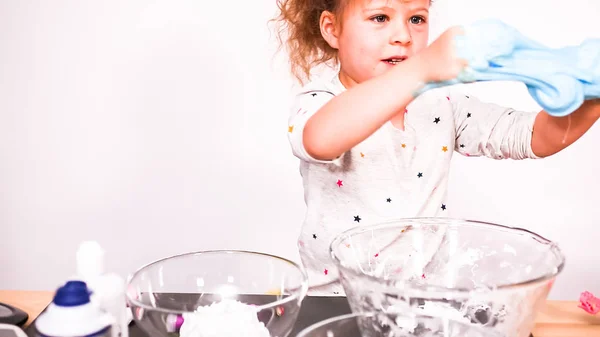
x=314 y=309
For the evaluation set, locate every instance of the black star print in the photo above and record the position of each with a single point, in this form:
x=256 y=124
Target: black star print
x=314 y=236
x=469 y=115
x=436 y=120
x=462 y=146
x=389 y=199
x=443 y=207
x=510 y=113
x=467 y=96
x=336 y=292
x=357 y=218
x=420 y=175
x=314 y=94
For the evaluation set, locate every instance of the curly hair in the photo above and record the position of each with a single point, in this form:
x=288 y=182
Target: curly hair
x=298 y=24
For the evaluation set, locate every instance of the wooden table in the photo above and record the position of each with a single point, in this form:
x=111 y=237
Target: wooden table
x=557 y=319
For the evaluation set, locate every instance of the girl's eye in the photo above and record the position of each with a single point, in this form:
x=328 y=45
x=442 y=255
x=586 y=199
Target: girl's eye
x=416 y=20
x=379 y=18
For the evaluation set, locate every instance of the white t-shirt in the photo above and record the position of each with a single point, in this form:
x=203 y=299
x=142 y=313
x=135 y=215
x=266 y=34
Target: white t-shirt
x=394 y=173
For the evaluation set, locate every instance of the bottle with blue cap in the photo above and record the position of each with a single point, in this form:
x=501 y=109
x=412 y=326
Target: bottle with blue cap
x=72 y=314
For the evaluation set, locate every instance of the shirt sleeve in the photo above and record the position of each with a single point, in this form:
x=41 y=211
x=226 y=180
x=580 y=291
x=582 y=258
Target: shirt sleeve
x=305 y=105
x=491 y=130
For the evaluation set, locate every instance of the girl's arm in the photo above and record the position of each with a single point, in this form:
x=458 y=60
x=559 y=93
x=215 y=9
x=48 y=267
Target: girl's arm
x=351 y=117
x=553 y=134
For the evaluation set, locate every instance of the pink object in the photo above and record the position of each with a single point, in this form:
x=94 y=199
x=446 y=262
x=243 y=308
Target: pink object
x=589 y=303
x=340 y=183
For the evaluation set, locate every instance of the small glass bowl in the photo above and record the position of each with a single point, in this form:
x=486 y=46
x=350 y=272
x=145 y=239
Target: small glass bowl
x=379 y=324
x=163 y=293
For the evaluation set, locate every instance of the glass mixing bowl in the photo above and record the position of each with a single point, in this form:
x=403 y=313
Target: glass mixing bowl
x=173 y=296
x=475 y=272
x=379 y=324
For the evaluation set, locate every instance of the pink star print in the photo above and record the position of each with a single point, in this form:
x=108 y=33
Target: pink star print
x=340 y=183
x=326 y=271
x=377 y=255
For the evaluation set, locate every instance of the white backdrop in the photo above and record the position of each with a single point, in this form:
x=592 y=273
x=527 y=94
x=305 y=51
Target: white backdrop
x=159 y=128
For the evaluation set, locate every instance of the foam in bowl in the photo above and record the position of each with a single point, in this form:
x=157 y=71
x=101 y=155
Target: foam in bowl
x=226 y=318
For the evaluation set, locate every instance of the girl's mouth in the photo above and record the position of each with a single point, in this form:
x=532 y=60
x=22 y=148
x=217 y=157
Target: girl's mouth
x=395 y=60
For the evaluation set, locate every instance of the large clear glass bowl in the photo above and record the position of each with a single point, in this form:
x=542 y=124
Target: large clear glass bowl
x=380 y=324
x=164 y=296
x=475 y=272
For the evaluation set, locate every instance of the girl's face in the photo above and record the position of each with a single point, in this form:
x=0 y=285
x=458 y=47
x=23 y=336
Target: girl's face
x=372 y=36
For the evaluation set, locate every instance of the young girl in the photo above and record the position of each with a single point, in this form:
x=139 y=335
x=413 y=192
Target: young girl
x=370 y=151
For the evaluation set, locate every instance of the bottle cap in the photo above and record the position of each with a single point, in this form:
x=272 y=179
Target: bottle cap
x=72 y=294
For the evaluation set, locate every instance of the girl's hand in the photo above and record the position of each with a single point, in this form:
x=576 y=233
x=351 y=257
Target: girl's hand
x=440 y=61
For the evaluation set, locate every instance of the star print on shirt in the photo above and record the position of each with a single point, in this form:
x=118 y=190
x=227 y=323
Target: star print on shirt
x=462 y=146
x=340 y=183
x=290 y=128
x=445 y=148
x=469 y=115
x=443 y=207
x=389 y=200
x=420 y=175
x=314 y=94
x=357 y=218
x=314 y=236
x=362 y=155
x=437 y=120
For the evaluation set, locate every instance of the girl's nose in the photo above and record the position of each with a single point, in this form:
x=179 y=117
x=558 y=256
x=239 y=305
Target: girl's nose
x=400 y=34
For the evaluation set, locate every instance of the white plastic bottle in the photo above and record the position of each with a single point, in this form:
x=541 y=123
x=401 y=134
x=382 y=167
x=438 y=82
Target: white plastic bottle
x=108 y=289
x=71 y=314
